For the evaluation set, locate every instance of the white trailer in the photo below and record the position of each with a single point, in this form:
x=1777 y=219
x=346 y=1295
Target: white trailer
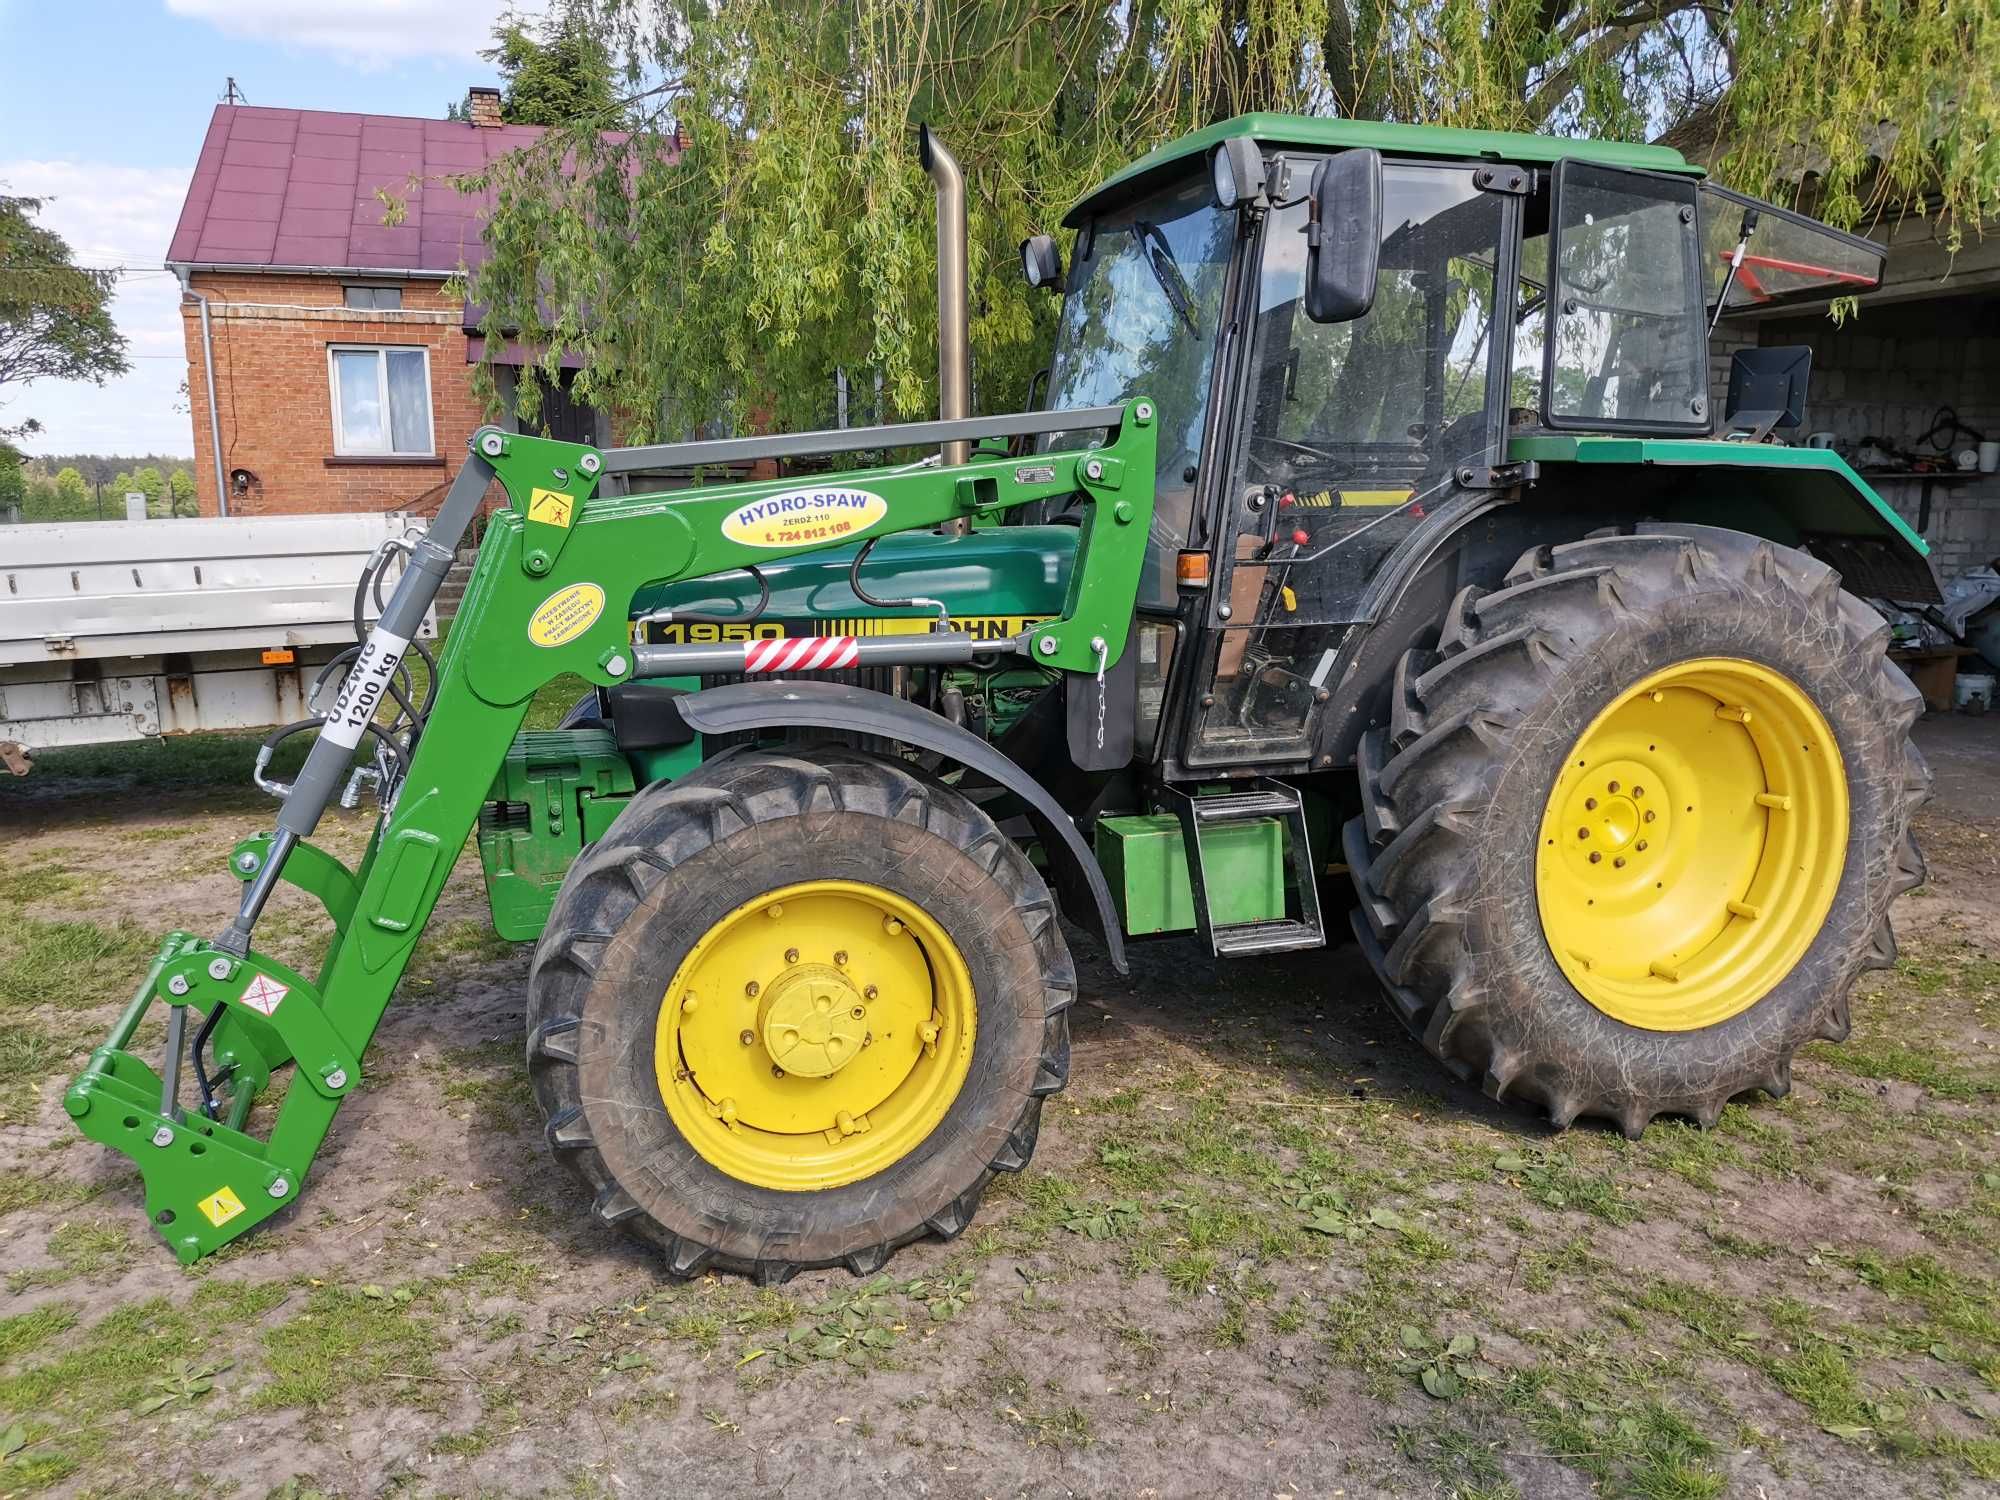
x=120 y=630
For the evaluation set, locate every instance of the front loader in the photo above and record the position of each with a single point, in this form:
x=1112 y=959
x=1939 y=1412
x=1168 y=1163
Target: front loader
x=1376 y=555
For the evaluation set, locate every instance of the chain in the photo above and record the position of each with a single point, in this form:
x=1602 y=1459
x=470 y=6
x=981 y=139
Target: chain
x=1103 y=655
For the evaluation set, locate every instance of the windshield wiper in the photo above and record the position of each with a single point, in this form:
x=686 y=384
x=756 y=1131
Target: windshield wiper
x=1167 y=272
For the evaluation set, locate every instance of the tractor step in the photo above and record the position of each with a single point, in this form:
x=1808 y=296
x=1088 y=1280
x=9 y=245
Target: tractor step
x=1246 y=938
x=1261 y=799
x=1232 y=807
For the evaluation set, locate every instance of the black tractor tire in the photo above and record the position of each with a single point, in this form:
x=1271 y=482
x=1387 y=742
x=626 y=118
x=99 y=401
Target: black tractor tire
x=680 y=857
x=1454 y=786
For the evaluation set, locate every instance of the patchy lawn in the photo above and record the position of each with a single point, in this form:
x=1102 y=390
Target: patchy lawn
x=1265 y=1247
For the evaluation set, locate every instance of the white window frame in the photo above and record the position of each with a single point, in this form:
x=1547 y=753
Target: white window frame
x=341 y=447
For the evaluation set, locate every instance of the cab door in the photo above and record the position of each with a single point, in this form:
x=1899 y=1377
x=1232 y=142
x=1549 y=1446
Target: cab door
x=1347 y=436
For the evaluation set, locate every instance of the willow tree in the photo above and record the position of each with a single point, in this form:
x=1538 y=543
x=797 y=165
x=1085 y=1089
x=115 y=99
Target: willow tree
x=760 y=221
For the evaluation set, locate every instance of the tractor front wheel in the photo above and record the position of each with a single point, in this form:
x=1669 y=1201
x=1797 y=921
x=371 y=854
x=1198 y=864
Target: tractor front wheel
x=1634 y=827
x=792 y=1013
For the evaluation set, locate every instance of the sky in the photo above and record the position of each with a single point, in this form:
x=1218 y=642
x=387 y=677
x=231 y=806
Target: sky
x=103 y=107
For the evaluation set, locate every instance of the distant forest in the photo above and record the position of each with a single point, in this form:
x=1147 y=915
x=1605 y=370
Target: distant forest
x=93 y=486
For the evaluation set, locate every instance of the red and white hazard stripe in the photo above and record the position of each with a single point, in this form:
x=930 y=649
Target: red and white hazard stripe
x=807 y=653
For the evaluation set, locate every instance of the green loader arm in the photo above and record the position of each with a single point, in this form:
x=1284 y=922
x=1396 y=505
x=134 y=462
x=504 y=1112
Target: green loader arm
x=548 y=596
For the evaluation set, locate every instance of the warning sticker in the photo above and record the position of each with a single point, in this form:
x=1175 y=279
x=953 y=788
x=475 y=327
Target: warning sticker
x=566 y=614
x=220 y=1206
x=362 y=688
x=551 y=507
x=264 y=994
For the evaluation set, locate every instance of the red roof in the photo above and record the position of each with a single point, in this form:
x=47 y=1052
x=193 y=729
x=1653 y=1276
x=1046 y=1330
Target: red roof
x=296 y=187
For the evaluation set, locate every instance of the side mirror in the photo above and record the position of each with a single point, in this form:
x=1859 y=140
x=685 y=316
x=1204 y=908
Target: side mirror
x=1344 y=236
x=1041 y=263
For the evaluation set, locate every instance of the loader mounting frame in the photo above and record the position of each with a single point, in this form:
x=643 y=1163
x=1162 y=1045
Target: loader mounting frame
x=548 y=596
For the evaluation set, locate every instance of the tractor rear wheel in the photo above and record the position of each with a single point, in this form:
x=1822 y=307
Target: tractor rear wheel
x=1634 y=827
x=791 y=1013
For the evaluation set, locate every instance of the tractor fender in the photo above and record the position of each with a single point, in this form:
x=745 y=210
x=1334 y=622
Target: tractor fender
x=740 y=706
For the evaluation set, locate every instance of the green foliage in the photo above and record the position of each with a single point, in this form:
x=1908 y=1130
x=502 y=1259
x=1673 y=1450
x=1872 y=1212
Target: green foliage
x=91 y=487
x=766 y=224
x=556 y=69
x=55 y=320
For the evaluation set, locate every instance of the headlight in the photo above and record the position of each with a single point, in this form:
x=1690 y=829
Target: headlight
x=1225 y=177
x=1238 y=171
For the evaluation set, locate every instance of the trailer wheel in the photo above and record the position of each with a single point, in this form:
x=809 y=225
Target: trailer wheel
x=792 y=1013
x=1634 y=828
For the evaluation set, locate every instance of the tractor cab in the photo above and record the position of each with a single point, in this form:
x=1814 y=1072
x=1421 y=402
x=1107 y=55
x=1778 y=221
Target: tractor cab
x=1313 y=448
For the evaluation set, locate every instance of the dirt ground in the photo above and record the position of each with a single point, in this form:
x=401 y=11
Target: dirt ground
x=1266 y=1248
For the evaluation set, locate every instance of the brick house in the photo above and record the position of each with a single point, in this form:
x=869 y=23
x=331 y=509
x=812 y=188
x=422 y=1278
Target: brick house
x=326 y=360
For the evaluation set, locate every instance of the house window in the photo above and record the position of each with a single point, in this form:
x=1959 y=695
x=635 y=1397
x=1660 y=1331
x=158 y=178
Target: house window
x=381 y=400
x=375 y=298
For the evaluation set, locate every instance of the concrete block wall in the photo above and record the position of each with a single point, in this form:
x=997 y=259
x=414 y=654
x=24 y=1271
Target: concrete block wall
x=1884 y=373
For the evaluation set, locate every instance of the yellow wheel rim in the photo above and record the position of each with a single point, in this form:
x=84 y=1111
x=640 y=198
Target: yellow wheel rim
x=1692 y=844
x=815 y=1035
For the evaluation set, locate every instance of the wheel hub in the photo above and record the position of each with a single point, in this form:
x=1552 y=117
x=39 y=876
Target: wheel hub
x=1692 y=843
x=815 y=1022
x=815 y=1035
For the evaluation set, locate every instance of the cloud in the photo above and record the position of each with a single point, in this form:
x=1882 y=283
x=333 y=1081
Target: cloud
x=365 y=31
x=112 y=216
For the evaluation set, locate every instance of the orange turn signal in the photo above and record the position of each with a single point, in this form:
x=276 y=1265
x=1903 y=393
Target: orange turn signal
x=1191 y=568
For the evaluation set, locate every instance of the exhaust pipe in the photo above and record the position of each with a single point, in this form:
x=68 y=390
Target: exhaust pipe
x=954 y=348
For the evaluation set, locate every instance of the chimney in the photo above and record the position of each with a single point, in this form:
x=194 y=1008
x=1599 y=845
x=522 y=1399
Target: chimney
x=482 y=107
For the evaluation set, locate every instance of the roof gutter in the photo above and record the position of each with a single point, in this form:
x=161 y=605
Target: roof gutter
x=182 y=268
x=208 y=375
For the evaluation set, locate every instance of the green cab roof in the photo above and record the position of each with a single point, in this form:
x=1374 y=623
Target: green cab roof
x=1306 y=132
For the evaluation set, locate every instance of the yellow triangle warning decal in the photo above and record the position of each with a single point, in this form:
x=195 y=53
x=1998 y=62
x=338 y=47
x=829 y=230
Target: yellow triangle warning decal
x=221 y=1206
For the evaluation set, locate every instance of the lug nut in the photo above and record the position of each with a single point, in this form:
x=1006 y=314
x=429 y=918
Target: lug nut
x=893 y=927
x=1590 y=804
x=1649 y=817
x=1583 y=833
x=775 y=910
x=1595 y=856
x=840 y=958
x=748 y=1038
x=750 y=989
x=1640 y=846
x=776 y=1071
x=791 y=955
x=870 y=993
x=1613 y=787
x=1618 y=863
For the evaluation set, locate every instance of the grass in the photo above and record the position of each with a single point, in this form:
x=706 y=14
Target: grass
x=80 y=1249
x=345 y=1343
x=72 y=965
x=24 y=1333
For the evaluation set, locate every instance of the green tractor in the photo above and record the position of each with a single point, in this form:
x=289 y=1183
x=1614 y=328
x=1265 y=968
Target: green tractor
x=1374 y=554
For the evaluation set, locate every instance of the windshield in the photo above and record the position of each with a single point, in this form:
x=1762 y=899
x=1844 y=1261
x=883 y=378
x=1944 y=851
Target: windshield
x=1140 y=320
